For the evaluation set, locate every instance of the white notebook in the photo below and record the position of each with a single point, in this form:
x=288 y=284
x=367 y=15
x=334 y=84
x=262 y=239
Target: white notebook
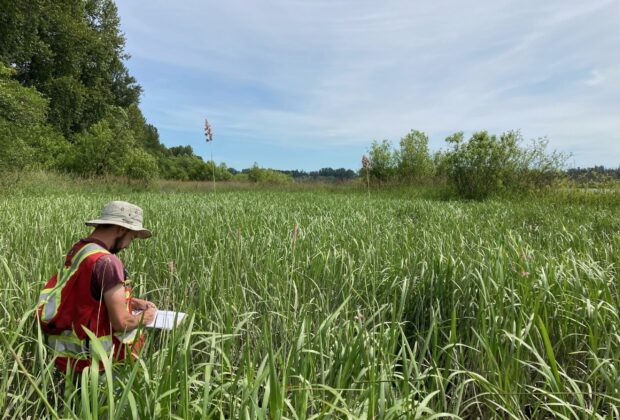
x=165 y=320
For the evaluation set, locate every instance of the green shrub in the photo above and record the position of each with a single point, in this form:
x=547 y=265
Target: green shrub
x=267 y=176
x=26 y=141
x=241 y=177
x=141 y=166
x=487 y=165
x=18 y=104
x=382 y=161
x=413 y=160
x=183 y=165
x=105 y=148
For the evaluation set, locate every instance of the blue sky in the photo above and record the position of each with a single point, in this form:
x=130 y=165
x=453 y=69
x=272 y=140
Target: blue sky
x=309 y=84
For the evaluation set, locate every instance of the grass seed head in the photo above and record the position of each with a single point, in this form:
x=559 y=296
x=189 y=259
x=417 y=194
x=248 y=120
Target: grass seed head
x=295 y=233
x=365 y=162
x=208 y=131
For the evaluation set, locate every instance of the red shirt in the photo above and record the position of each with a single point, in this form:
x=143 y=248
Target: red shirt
x=108 y=272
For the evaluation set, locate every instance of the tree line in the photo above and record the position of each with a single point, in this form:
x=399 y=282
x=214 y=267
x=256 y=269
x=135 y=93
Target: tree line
x=475 y=168
x=593 y=174
x=323 y=174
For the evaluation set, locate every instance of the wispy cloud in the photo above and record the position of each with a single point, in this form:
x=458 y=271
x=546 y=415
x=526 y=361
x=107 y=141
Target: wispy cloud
x=595 y=78
x=323 y=74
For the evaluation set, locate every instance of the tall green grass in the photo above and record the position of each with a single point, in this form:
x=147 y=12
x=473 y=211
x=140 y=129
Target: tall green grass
x=383 y=307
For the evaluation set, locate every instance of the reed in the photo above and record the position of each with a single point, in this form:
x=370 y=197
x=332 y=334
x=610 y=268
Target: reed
x=373 y=307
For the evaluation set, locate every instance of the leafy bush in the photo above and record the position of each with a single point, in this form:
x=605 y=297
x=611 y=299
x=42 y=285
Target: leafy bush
x=221 y=172
x=183 y=165
x=105 y=148
x=26 y=141
x=141 y=165
x=267 y=176
x=18 y=104
x=241 y=177
x=382 y=161
x=16 y=154
x=486 y=164
x=413 y=160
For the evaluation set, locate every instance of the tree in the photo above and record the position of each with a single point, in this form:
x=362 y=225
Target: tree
x=105 y=148
x=26 y=141
x=181 y=151
x=222 y=173
x=18 y=104
x=73 y=52
x=67 y=105
x=141 y=166
x=382 y=162
x=413 y=158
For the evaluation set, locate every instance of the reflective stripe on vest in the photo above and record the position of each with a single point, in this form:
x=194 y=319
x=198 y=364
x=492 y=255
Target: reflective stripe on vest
x=50 y=299
x=126 y=337
x=69 y=345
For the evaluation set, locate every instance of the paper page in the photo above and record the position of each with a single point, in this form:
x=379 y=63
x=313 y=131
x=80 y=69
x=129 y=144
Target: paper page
x=164 y=320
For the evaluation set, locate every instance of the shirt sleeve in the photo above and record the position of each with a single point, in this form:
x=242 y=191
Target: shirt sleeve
x=108 y=272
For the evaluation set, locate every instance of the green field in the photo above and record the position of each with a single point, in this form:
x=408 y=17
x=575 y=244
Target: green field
x=383 y=307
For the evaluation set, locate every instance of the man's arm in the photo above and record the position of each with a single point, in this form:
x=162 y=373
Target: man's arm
x=119 y=317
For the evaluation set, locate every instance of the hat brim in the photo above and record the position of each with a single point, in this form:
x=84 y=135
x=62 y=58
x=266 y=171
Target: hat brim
x=142 y=233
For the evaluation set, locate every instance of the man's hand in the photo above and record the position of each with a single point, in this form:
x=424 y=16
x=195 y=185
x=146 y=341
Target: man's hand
x=122 y=320
x=149 y=315
x=141 y=304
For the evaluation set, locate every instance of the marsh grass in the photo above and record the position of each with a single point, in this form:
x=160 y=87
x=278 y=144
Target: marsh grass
x=381 y=307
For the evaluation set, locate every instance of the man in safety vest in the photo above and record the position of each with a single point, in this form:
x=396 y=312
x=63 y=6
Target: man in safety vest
x=91 y=292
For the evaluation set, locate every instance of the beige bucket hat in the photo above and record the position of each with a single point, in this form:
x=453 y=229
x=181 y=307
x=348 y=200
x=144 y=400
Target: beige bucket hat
x=122 y=213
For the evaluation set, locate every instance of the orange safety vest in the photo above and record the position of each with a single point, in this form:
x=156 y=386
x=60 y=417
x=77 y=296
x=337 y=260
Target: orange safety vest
x=66 y=306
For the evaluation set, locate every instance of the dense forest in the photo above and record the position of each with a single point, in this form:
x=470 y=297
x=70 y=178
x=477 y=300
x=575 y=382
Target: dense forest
x=68 y=102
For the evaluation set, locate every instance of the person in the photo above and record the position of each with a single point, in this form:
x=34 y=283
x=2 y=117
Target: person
x=92 y=292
